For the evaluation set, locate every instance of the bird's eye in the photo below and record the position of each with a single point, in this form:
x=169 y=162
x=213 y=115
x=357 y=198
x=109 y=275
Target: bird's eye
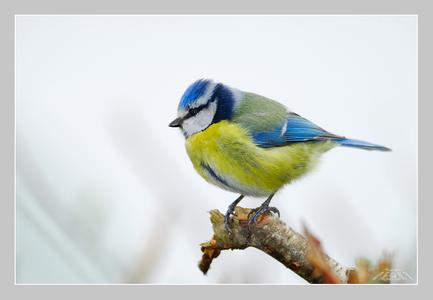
x=193 y=111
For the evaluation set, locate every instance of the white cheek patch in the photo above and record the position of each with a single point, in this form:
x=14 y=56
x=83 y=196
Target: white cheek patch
x=200 y=121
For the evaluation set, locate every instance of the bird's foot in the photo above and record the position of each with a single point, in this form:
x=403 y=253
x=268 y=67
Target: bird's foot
x=259 y=211
x=227 y=219
x=230 y=212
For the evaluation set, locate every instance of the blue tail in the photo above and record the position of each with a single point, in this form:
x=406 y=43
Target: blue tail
x=361 y=144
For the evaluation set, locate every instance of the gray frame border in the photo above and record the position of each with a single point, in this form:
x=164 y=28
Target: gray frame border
x=7 y=125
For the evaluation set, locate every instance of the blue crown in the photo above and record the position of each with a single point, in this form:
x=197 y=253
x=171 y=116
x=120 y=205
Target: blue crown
x=194 y=91
x=221 y=92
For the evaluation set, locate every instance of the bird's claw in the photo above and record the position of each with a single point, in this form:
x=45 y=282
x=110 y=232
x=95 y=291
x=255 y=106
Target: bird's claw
x=227 y=221
x=257 y=212
x=230 y=211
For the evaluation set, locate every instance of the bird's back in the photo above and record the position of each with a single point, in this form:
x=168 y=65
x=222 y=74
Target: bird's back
x=257 y=113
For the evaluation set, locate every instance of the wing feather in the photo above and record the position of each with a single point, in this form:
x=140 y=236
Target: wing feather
x=272 y=125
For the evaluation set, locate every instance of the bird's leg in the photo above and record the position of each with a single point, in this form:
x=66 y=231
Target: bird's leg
x=257 y=212
x=230 y=211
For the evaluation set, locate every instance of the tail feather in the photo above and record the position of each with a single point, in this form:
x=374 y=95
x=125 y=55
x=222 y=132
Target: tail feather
x=362 y=145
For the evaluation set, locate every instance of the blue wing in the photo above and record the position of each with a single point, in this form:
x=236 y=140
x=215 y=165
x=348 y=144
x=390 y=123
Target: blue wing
x=295 y=129
x=298 y=129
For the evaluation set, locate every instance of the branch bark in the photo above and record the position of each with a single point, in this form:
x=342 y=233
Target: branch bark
x=275 y=238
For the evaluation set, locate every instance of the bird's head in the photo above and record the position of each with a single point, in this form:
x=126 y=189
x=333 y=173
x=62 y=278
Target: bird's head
x=204 y=103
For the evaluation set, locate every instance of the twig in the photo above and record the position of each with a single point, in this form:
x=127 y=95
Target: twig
x=275 y=238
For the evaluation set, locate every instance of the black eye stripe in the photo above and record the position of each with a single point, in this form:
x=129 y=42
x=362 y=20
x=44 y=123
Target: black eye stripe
x=192 y=112
x=195 y=110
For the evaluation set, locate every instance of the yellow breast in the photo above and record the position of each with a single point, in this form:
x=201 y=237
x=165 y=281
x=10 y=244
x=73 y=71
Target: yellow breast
x=225 y=155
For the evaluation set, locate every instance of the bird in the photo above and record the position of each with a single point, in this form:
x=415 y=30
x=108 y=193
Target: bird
x=249 y=144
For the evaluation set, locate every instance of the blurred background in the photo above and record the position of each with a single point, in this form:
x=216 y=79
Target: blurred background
x=105 y=192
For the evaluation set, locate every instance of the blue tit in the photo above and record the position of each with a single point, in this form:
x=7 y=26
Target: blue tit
x=249 y=144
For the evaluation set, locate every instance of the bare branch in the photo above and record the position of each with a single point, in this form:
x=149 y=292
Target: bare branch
x=275 y=238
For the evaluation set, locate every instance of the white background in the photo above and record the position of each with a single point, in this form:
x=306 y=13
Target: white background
x=105 y=190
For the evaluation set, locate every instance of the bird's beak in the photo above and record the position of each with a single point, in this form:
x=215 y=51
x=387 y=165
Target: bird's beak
x=176 y=122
